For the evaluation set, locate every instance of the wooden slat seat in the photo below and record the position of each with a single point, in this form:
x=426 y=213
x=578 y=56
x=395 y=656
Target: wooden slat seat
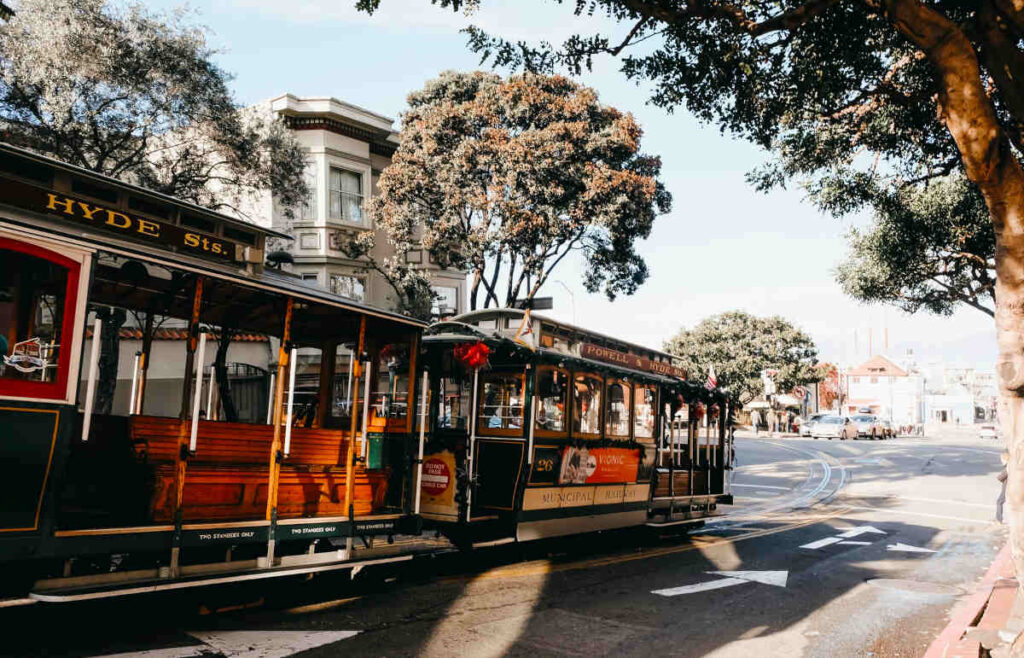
x=227 y=478
x=218 y=493
x=235 y=443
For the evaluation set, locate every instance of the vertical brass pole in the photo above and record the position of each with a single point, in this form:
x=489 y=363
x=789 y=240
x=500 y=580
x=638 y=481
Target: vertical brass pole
x=350 y=475
x=181 y=459
x=275 y=446
x=190 y=354
x=147 y=346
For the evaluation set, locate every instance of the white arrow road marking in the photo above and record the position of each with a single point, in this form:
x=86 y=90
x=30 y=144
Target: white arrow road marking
x=814 y=545
x=860 y=530
x=849 y=534
x=700 y=587
x=906 y=548
x=776 y=578
x=856 y=543
x=268 y=644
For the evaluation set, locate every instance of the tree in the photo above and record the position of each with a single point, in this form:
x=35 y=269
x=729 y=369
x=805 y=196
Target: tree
x=134 y=95
x=503 y=178
x=929 y=248
x=856 y=98
x=741 y=347
x=829 y=390
x=410 y=285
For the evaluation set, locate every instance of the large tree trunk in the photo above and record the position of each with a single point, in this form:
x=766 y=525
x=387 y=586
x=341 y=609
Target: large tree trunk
x=988 y=161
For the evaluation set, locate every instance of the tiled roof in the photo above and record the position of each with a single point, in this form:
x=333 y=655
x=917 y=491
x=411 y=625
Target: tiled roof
x=878 y=366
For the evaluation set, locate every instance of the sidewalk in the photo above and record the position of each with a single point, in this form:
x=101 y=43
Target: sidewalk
x=988 y=620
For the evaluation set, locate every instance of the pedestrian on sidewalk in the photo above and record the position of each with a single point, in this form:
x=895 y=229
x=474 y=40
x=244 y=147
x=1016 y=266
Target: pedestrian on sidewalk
x=1002 y=477
x=755 y=420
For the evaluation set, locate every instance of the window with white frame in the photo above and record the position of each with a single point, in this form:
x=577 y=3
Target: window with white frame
x=446 y=301
x=347 y=285
x=346 y=201
x=310 y=204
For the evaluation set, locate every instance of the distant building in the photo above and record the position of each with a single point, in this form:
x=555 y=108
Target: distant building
x=955 y=405
x=885 y=389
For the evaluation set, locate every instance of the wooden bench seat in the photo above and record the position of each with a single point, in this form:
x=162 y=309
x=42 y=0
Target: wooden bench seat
x=235 y=443
x=219 y=493
x=227 y=478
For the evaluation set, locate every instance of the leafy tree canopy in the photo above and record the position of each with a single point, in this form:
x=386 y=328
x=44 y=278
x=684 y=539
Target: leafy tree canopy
x=504 y=177
x=741 y=346
x=134 y=95
x=929 y=248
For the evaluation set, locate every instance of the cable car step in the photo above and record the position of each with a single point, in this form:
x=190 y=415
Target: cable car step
x=57 y=594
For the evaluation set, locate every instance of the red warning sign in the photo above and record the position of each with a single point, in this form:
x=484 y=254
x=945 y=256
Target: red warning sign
x=436 y=477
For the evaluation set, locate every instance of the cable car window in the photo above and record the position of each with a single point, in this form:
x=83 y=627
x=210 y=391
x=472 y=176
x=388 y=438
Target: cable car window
x=586 y=405
x=644 y=410
x=390 y=397
x=33 y=291
x=552 y=391
x=344 y=384
x=501 y=403
x=617 y=422
x=454 y=409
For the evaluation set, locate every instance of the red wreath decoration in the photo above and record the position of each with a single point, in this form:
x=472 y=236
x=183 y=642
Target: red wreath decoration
x=472 y=355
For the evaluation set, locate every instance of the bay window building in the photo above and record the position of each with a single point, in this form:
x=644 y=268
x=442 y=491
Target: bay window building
x=347 y=148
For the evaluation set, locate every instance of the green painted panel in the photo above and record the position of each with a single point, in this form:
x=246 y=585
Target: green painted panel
x=375 y=454
x=27 y=439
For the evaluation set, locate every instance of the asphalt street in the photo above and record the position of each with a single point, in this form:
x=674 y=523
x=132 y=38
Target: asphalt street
x=834 y=548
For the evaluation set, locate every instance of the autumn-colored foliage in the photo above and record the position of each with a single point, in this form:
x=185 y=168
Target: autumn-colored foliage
x=504 y=177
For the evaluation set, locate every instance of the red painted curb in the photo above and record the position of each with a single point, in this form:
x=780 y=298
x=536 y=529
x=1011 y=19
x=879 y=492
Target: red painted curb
x=968 y=609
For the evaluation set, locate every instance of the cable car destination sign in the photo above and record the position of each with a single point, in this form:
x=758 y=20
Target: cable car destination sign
x=634 y=361
x=131 y=226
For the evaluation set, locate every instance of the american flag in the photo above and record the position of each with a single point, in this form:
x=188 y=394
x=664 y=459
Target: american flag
x=712 y=381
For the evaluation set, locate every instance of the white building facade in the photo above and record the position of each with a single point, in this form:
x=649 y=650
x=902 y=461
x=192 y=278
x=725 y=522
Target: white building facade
x=886 y=389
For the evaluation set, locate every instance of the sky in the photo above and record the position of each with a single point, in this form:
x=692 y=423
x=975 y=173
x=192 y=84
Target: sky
x=723 y=246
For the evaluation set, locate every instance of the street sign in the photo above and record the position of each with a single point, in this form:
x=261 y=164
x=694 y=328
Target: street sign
x=537 y=303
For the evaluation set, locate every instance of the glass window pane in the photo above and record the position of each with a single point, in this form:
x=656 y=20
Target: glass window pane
x=345 y=285
x=618 y=409
x=501 y=402
x=552 y=390
x=445 y=300
x=391 y=389
x=586 y=406
x=454 y=408
x=645 y=411
x=31 y=313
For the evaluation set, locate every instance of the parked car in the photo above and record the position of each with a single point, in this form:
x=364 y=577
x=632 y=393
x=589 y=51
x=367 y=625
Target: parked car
x=988 y=432
x=832 y=427
x=889 y=430
x=807 y=426
x=869 y=426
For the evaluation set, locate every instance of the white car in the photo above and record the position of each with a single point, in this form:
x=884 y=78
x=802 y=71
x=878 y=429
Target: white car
x=834 y=427
x=988 y=432
x=869 y=426
x=807 y=426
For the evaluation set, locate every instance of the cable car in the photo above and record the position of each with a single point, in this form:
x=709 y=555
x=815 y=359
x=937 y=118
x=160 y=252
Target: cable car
x=537 y=428
x=173 y=412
